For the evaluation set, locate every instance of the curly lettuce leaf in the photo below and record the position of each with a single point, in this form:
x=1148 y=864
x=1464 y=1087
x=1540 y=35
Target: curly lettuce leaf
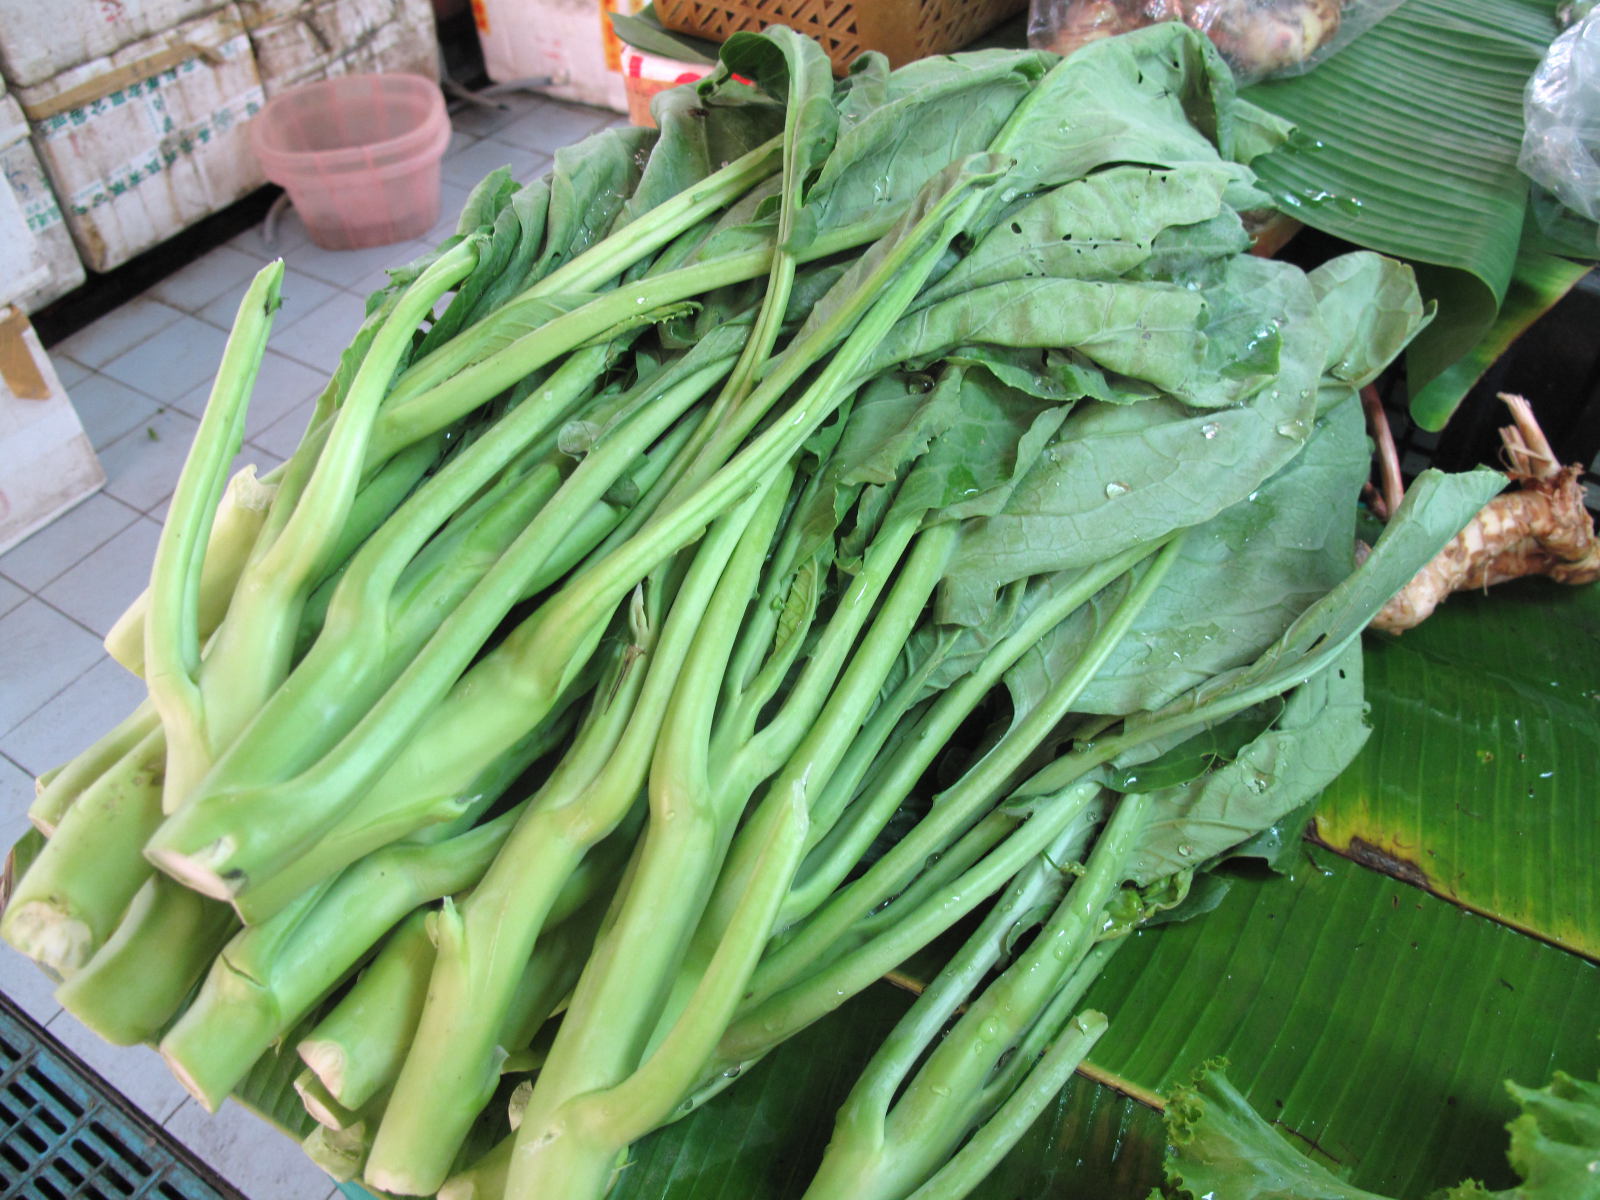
x=1221 y=1147
x=1218 y=1146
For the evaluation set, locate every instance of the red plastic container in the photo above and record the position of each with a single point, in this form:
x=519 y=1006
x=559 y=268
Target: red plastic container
x=359 y=156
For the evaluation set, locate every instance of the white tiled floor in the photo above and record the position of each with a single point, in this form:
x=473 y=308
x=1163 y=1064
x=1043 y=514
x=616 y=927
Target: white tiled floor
x=139 y=378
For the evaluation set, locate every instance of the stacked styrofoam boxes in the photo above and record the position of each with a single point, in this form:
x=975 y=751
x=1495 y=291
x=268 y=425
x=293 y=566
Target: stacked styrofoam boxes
x=48 y=266
x=40 y=40
x=145 y=138
x=22 y=268
x=298 y=41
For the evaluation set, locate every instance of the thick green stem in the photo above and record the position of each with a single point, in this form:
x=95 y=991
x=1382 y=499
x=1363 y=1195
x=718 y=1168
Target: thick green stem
x=631 y=966
x=770 y=1015
x=426 y=819
x=141 y=977
x=58 y=790
x=937 y=1109
x=269 y=977
x=485 y=942
x=321 y=1104
x=250 y=654
x=339 y=1152
x=648 y=1098
x=172 y=625
x=983 y=784
x=366 y=642
x=238 y=522
x=970 y=1165
x=356 y=1049
x=243 y=837
x=73 y=896
x=485 y=1179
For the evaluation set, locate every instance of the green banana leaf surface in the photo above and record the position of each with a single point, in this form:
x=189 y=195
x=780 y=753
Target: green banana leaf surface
x=1477 y=781
x=1407 y=143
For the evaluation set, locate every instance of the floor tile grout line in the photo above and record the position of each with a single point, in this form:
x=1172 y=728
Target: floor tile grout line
x=95 y=373
x=109 y=1083
x=162 y=1121
x=257 y=446
x=142 y=514
x=301 y=361
x=101 y=545
x=7 y=731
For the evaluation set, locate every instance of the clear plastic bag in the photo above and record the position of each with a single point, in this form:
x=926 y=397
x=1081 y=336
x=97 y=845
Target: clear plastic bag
x=1561 y=144
x=1260 y=39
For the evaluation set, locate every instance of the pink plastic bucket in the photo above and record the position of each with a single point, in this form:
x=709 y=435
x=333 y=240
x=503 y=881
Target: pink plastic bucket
x=359 y=156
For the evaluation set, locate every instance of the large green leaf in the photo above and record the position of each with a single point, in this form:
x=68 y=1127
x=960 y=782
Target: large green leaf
x=1538 y=282
x=1371 y=1021
x=1408 y=143
x=1478 y=780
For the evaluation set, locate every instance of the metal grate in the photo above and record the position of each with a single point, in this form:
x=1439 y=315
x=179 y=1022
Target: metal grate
x=64 y=1135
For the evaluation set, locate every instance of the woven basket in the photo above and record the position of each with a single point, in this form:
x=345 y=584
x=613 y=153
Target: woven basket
x=902 y=30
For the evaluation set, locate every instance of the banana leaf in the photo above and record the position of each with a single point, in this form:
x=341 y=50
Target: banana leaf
x=1538 y=281
x=1478 y=780
x=1407 y=143
x=268 y=1090
x=1373 y=1023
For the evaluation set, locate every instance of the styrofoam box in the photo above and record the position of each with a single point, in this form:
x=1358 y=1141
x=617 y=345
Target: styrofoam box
x=338 y=37
x=39 y=39
x=46 y=462
x=26 y=181
x=22 y=268
x=570 y=41
x=146 y=141
x=407 y=46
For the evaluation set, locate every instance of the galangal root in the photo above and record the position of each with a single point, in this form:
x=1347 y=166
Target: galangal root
x=1540 y=527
